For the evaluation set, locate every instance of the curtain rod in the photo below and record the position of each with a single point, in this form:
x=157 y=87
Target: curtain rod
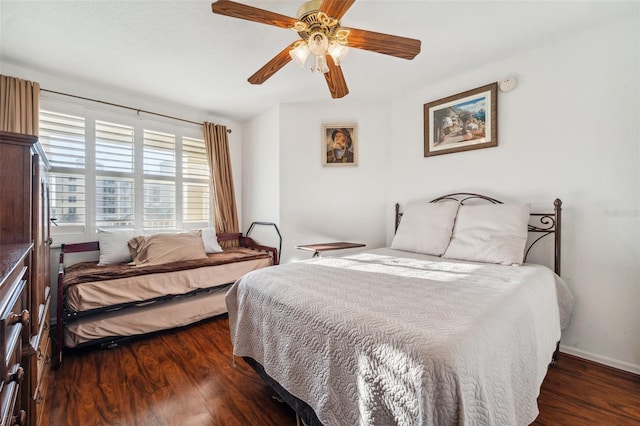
x=138 y=110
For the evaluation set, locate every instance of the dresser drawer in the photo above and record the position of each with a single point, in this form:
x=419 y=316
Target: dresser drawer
x=13 y=318
x=9 y=397
x=43 y=353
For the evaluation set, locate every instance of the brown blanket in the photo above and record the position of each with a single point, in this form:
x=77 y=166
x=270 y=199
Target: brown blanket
x=90 y=271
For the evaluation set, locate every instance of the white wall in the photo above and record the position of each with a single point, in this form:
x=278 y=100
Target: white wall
x=317 y=204
x=332 y=203
x=569 y=130
x=261 y=175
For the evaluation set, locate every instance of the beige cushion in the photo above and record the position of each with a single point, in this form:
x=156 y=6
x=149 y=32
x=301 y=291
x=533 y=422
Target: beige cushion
x=113 y=245
x=158 y=249
x=492 y=233
x=426 y=228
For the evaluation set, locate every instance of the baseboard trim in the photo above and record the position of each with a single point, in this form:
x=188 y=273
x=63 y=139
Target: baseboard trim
x=600 y=359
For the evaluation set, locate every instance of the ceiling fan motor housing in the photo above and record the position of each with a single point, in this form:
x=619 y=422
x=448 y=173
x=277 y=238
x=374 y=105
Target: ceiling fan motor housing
x=312 y=20
x=307 y=8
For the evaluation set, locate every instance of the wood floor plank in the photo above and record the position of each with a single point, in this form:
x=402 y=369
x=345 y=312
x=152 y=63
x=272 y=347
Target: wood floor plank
x=142 y=380
x=187 y=377
x=180 y=402
x=580 y=392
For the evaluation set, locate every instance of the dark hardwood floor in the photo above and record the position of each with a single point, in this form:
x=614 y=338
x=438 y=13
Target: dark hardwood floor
x=186 y=377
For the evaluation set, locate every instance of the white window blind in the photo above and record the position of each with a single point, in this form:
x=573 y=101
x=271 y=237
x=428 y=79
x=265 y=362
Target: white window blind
x=114 y=147
x=159 y=154
x=159 y=180
x=194 y=159
x=62 y=137
x=122 y=172
x=114 y=175
x=195 y=187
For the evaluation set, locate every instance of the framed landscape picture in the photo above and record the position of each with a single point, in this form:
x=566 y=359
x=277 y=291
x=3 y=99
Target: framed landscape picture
x=462 y=122
x=339 y=145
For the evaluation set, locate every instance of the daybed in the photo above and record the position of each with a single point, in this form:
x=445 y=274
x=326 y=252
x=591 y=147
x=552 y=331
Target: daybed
x=104 y=302
x=446 y=326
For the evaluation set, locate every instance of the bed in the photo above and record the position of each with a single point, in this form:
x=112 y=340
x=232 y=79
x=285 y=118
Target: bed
x=172 y=281
x=413 y=333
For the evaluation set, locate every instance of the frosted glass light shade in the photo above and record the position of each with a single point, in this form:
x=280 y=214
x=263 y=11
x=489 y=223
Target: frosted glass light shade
x=318 y=43
x=337 y=52
x=300 y=54
x=320 y=64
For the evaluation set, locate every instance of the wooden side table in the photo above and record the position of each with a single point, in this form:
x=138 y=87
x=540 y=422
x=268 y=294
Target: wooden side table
x=319 y=248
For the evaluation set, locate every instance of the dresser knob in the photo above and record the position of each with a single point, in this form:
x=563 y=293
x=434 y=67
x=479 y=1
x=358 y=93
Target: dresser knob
x=19 y=419
x=15 y=377
x=22 y=318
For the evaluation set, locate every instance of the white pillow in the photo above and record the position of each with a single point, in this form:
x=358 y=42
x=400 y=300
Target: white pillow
x=426 y=228
x=210 y=241
x=113 y=245
x=490 y=233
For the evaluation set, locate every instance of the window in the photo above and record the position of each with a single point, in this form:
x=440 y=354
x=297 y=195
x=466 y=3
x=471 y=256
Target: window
x=159 y=180
x=195 y=184
x=63 y=138
x=115 y=151
x=116 y=171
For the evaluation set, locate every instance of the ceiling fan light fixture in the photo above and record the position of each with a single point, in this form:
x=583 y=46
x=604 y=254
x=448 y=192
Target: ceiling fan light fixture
x=320 y=64
x=337 y=51
x=318 y=43
x=299 y=53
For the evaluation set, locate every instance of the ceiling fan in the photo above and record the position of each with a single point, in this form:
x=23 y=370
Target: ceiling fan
x=322 y=36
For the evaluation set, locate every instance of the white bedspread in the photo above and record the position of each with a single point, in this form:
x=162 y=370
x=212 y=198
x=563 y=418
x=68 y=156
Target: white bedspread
x=378 y=339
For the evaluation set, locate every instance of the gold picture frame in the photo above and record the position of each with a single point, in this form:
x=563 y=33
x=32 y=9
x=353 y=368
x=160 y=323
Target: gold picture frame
x=462 y=122
x=339 y=145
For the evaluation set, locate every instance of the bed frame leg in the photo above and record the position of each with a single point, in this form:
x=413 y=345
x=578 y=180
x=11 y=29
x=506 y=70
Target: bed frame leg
x=556 y=354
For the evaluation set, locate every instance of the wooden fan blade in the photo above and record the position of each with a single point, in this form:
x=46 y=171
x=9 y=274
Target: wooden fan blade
x=271 y=67
x=336 y=8
x=401 y=47
x=335 y=80
x=250 y=13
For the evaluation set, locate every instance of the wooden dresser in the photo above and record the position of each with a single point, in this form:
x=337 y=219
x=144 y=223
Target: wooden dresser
x=24 y=222
x=14 y=321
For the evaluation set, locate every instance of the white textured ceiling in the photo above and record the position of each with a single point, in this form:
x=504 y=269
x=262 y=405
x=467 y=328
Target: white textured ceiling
x=180 y=52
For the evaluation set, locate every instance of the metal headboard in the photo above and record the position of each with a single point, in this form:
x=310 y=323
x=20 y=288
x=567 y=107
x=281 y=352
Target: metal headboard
x=544 y=223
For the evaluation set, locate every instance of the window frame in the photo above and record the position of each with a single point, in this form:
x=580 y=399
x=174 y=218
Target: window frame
x=91 y=114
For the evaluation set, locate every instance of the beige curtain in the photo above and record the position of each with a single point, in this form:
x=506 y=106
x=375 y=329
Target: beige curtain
x=19 y=105
x=221 y=183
